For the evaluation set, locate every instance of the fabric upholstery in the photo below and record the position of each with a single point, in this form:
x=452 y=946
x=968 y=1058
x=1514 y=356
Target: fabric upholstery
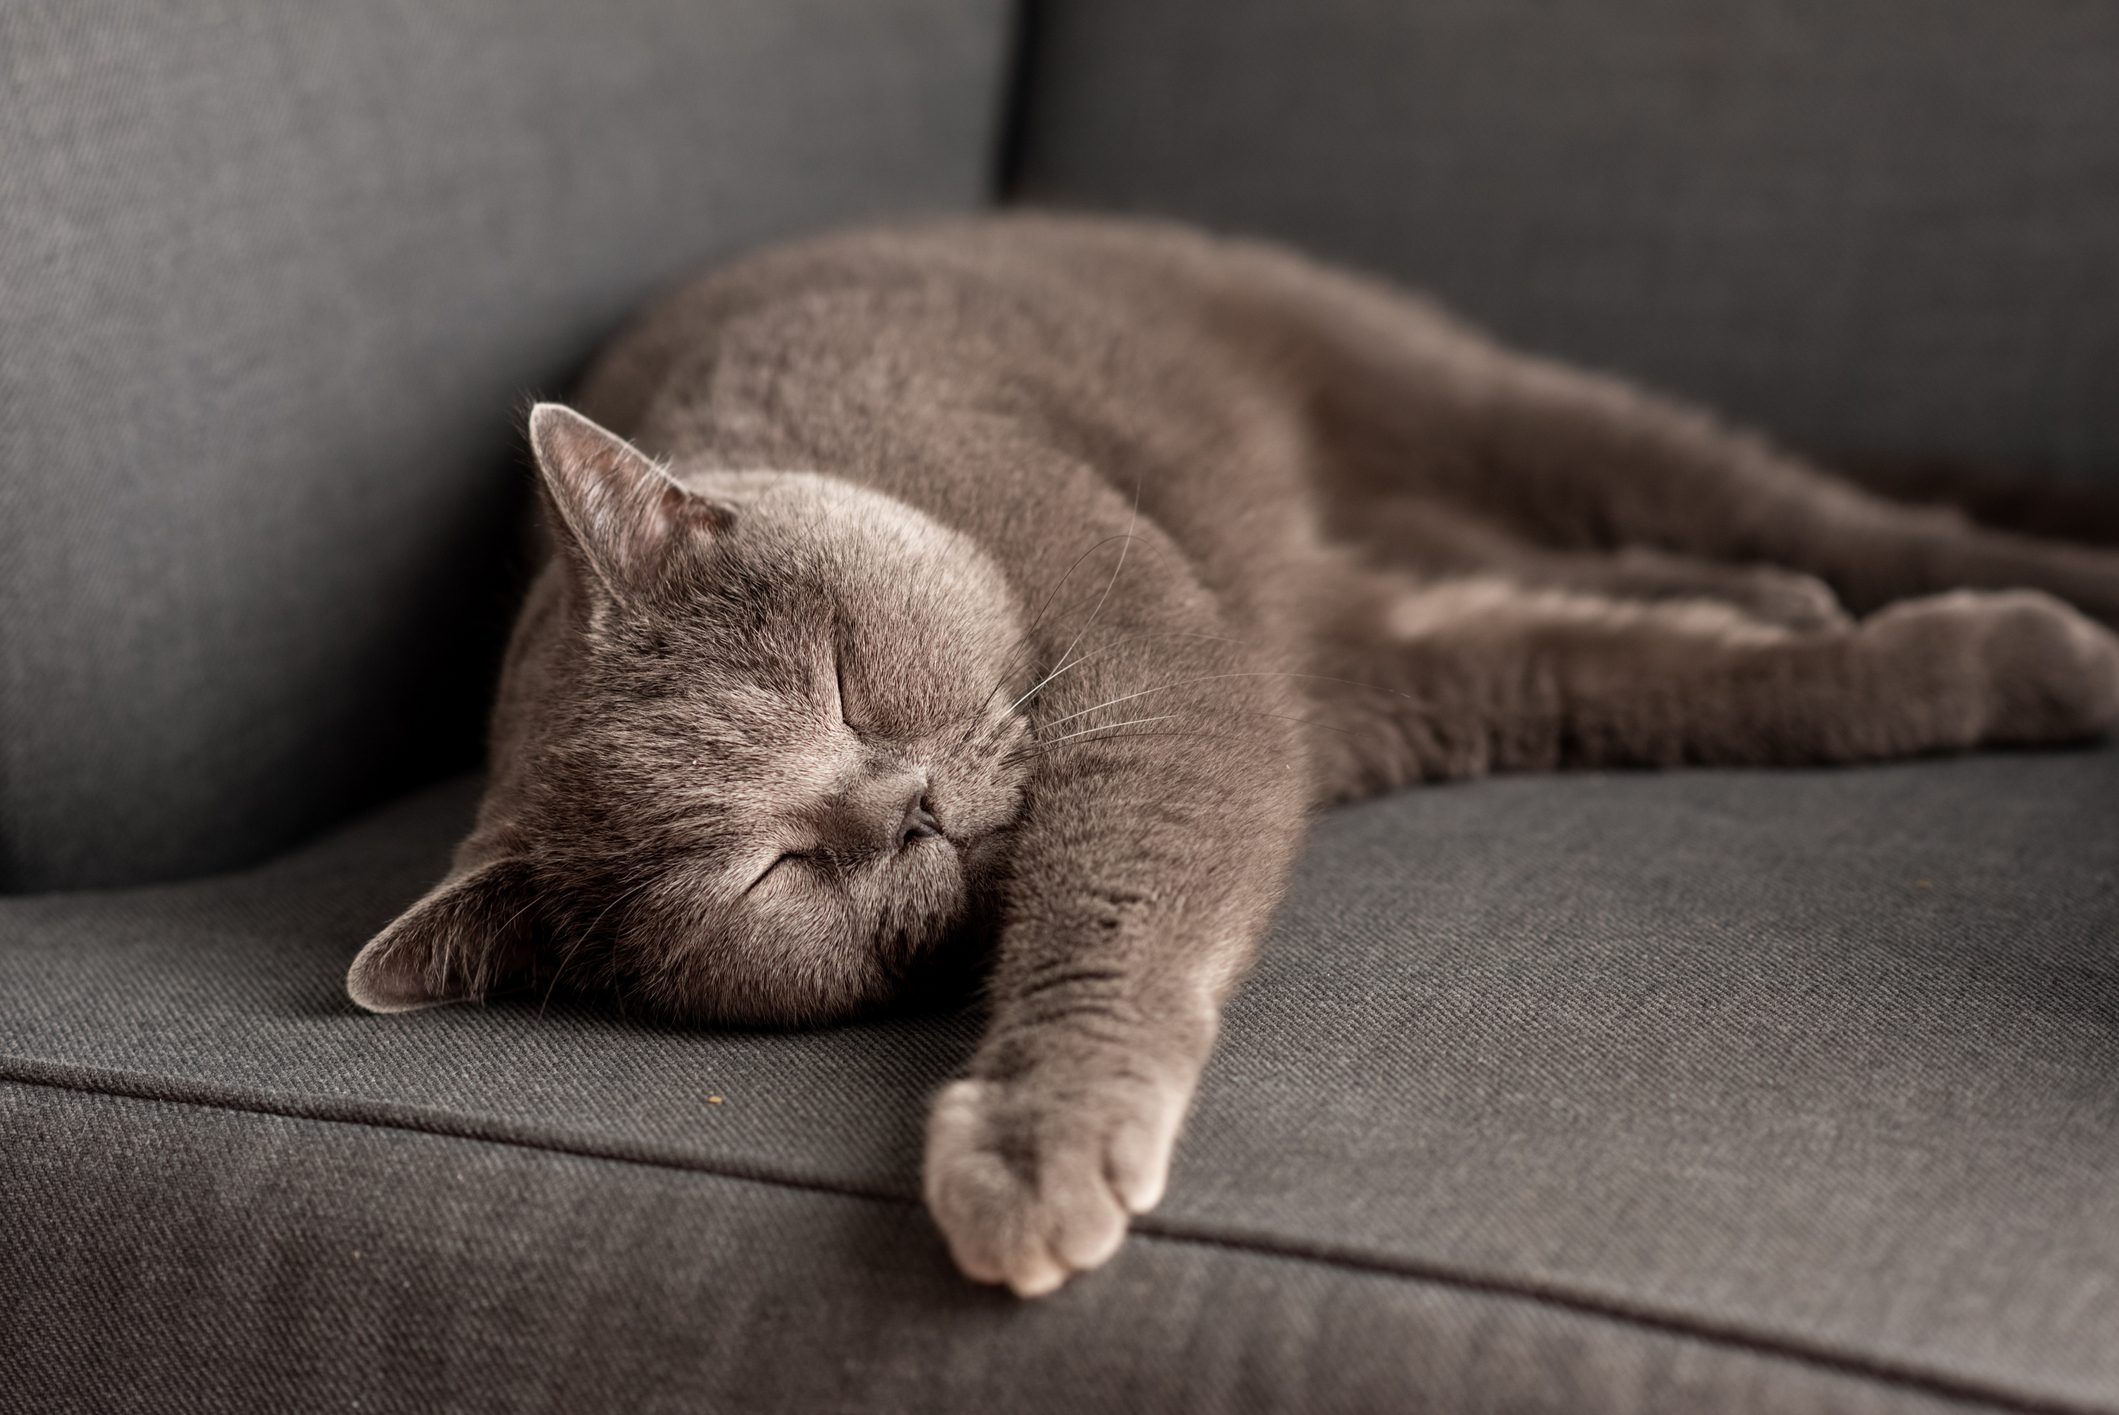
x=1875 y=227
x=275 y=282
x=1745 y=1092
x=1774 y=1092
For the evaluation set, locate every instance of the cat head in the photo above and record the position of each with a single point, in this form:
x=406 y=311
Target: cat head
x=754 y=756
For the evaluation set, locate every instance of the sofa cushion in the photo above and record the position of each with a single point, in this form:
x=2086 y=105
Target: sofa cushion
x=1713 y=1091
x=1877 y=227
x=276 y=281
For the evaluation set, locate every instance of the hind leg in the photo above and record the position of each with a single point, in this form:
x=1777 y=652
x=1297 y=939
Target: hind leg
x=1569 y=451
x=1412 y=402
x=1467 y=677
x=1433 y=540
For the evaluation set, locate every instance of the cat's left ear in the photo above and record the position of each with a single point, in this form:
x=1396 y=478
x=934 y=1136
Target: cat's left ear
x=623 y=514
x=468 y=935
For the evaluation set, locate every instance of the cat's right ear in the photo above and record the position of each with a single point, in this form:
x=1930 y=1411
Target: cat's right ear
x=623 y=515
x=468 y=935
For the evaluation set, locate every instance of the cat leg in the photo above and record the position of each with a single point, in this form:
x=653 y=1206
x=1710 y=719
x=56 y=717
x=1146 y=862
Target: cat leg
x=1142 y=876
x=1767 y=593
x=1570 y=457
x=1409 y=399
x=1476 y=676
x=1433 y=539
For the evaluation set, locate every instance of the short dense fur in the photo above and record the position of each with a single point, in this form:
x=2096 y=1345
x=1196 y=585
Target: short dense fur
x=1006 y=592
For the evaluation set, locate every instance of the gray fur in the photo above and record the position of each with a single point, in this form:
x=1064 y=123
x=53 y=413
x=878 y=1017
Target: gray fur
x=1091 y=557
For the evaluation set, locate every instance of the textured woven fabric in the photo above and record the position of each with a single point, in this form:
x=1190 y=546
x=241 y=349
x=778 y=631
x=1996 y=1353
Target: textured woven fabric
x=275 y=282
x=320 y=1266
x=1747 y=1092
x=1873 y=226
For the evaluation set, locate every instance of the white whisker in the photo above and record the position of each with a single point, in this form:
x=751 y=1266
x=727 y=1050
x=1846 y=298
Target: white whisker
x=1043 y=609
x=1080 y=738
x=1103 y=726
x=1129 y=639
x=1131 y=529
x=1217 y=677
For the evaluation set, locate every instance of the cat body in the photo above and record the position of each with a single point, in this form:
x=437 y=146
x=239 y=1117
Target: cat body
x=1001 y=595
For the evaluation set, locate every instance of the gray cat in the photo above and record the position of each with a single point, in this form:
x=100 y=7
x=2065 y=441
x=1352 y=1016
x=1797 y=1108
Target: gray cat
x=1001 y=596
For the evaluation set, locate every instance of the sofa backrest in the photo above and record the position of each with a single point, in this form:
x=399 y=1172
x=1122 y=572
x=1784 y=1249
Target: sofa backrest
x=1882 y=228
x=275 y=281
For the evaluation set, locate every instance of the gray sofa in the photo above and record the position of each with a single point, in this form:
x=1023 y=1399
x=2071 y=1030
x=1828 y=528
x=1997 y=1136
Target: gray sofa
x=1703 y=1092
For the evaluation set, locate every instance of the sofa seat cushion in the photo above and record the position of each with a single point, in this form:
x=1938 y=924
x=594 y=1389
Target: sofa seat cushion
x=1732 y=1091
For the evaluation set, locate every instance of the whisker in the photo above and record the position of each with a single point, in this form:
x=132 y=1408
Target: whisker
x=1053 y=598
x=1099 y=727
x=1217 y=677
x=552 y=986
x=586 y=935
x=1202 y=712
x=1077 y=739
x=478 y=983
x=1132 y=527
x=1132 y=530
x=1129 y=639
x=1000 y=722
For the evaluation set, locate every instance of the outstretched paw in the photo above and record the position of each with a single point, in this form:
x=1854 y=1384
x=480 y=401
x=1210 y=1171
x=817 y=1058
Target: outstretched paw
x=2045 y=671
x=1034 y=1180
x=2056 y=670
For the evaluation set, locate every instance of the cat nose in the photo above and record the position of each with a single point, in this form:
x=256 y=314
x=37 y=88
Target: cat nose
x=919 y=820
x=884 y=812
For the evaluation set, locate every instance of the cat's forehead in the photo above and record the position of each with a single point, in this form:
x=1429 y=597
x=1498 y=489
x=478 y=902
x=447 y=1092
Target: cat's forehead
x=853 y=542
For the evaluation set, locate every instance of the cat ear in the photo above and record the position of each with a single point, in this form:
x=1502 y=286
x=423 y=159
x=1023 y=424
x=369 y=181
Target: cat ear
x=468 y=935
x=621 y=511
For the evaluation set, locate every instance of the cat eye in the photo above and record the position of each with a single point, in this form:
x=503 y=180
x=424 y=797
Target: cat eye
x=838 y=677
x=785 y=857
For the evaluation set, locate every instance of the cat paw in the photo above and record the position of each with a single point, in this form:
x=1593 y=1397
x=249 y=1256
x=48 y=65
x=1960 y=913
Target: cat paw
x=1032 y=1182
x=2045 y=672
x=2056 y=670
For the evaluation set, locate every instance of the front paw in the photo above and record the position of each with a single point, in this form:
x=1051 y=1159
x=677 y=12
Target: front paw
x=1033 y=1180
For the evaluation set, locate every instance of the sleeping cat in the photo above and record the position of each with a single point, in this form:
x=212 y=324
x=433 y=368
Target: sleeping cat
x=1001 y=595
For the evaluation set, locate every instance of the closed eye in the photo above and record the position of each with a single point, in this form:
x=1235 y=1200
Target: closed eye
x=785 y=857
x=838 y=677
